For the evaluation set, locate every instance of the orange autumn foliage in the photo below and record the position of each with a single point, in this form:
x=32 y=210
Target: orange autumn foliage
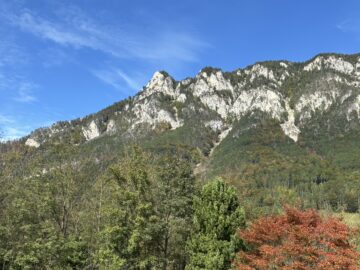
x=299 y=240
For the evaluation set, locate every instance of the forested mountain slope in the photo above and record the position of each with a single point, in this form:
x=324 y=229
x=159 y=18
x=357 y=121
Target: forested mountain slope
x=124 y=188
x=277 y=128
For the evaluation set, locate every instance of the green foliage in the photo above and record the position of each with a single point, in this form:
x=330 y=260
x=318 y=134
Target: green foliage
x=40 y=217
x=175 y=187
x=209 y=70
x=133 y=231
x=225 y=94
x=217 y=216
x=143 y=208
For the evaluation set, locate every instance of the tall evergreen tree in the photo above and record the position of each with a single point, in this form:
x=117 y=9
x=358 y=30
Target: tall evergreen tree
x=217 y=216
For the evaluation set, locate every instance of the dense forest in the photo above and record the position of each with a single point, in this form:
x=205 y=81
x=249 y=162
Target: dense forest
x=148 y=211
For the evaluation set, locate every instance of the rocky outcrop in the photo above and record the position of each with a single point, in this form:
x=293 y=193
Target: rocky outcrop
x=330 y=62
x=149 y=111
x=289 y=127
x=260 y=71
x=111 y=127
x=260 y=99
x=91 y=131
x=32 y=143
x=207 y=88
x=159 y=83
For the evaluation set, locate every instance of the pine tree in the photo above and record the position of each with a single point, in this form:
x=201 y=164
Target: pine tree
x=217 y=215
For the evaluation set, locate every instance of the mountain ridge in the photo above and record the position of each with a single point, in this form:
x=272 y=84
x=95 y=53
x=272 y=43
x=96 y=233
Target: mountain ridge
x=261 y=86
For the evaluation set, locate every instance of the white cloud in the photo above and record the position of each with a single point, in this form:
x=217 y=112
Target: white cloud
x=75 y=29
x=16 y=126
x=25 y=92
x=51 y=31
x=351 y=26
x=12 y=58
x=117 y=78
x=172 y=46
x=9 y=128
x=54 y=57
x=130 y=81
x=12 y=133
x=5 y=119
x=10 y=53
x=17 y=87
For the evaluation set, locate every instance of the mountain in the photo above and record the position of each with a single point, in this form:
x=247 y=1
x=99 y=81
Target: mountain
x=291 y=93
x=275 y=125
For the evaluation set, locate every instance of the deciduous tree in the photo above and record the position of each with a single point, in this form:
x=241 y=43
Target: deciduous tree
x=297 y=240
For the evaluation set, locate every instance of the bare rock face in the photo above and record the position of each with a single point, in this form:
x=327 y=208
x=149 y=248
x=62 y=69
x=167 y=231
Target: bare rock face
x=149 y=111
x=289 y=127
x=215 y=125
x=207 y=88
x=91 y=131
x=161 y=83
x=331 y=62
x=354 y=108
x=32 y=143
x=111 y=127
x=261 y=99
x=260 y=71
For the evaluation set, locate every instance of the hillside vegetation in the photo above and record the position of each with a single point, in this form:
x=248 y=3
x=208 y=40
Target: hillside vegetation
x=167 y=178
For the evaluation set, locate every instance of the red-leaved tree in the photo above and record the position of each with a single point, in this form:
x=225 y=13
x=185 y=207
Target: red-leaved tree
x=299 y=240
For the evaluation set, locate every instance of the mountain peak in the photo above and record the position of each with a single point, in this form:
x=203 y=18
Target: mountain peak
x=159 y=75
x=161 y=81
x=334 y=62
x=207 y=71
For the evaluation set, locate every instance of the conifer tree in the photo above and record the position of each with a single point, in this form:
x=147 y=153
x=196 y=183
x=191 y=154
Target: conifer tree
x=217 y=216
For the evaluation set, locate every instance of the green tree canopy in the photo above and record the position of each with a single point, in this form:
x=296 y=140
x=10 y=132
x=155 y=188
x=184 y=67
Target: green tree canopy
x=217 y=216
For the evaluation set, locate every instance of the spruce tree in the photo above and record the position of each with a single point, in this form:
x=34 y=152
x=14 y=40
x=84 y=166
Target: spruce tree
x=217 y=216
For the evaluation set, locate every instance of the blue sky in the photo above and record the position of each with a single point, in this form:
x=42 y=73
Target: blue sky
x=60 y=60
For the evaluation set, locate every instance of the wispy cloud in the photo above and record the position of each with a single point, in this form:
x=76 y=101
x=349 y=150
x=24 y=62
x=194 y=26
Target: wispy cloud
x=351 y=26
x=52 y=31
x=12 y=58
x=25 y=92
x=13 y=87
x=117 y=78
x=54 y=57
x=5 y=119
x=17 y=126
x=18 y=88
x=11 y=53
x=78 y=30
x=9 y=128
x=11 y=133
